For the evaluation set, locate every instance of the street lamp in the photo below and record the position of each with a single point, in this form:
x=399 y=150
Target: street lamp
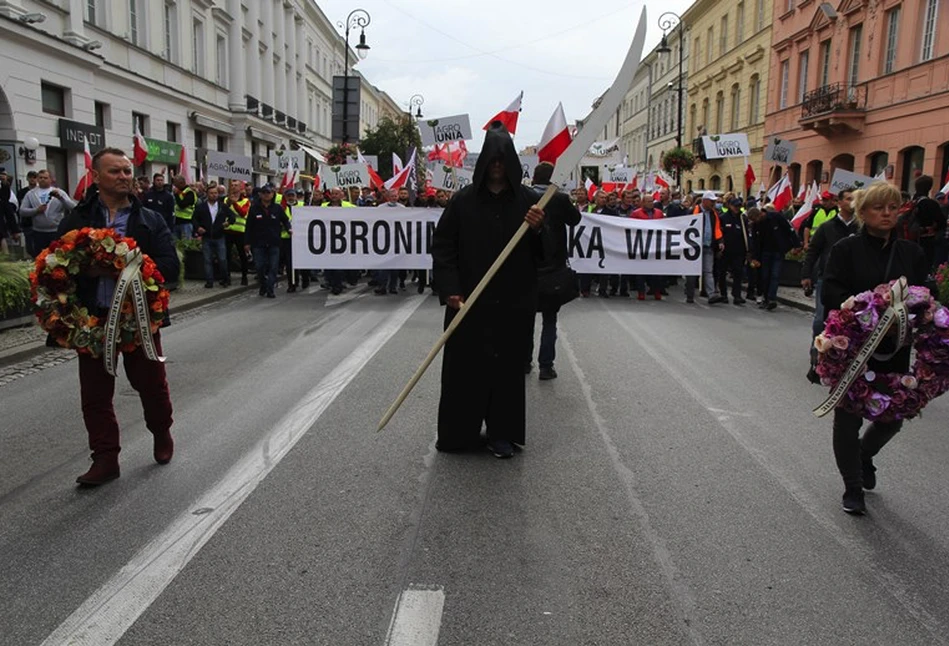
x=356 y=18
x=416 y=100
x=667 y=22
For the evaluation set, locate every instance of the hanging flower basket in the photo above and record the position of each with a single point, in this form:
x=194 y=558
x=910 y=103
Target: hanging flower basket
x=340 y=154
x=678 y=160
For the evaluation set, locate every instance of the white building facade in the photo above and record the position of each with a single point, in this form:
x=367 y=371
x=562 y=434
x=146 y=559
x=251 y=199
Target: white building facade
x=241 y=76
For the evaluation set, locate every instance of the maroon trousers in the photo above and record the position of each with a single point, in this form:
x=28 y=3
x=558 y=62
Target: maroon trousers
x=97 y=389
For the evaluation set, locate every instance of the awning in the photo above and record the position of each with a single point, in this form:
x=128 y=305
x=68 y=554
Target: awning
x=212 y=124
x=260 y=135
x=312 y=153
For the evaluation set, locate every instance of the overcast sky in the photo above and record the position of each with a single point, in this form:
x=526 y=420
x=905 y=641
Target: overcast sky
x=475 y=56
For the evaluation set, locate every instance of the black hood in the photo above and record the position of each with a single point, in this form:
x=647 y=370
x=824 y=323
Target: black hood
x=498 y=143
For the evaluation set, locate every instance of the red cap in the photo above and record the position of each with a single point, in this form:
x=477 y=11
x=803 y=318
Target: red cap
x=826 y=195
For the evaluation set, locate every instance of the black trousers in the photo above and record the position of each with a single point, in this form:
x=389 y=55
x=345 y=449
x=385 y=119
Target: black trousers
x=734 y=264
x=850 y=450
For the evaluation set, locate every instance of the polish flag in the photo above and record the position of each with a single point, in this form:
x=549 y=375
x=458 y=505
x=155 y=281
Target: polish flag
x=403 y=177
x=635 y=181
x=945 y=189
x=781 y=193
x=289 y=180
x=508 y=116
x=591 y=188
x=809 y=198
x=802 y=194
x=661 y=180
x=556 y=137
x=397 y=165
x=139 y=148
x=374 y=180
x=184 y=165
x=86 y=180
x=749 y=177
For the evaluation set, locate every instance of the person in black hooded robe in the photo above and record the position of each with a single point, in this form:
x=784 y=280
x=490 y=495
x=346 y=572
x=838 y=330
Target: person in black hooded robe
x=483 y=377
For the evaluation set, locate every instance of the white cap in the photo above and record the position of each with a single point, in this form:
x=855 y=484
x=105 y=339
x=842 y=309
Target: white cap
x=709 y=195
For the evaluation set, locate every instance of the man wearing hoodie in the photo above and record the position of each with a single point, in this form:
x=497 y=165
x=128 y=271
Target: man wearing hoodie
x=45 y=207
x=483 y=378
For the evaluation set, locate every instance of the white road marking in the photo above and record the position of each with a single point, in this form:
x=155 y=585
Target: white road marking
x=418 y=617
x=105 y=616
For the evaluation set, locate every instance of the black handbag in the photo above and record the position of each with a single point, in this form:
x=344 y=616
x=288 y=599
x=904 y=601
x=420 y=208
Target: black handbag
x=559 y=286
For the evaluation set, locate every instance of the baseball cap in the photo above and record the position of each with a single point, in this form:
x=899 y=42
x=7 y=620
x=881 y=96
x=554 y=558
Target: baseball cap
x=826 y=195
x=266 y=188
x=735 y=201
x=709 y=195
x=290 y=191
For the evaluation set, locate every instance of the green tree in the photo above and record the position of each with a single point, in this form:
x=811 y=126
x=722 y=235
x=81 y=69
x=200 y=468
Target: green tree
x=392 y=136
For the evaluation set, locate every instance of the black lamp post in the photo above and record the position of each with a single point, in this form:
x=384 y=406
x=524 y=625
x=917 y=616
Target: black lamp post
x=668 y=21
x=416 y=101
x=356 y=18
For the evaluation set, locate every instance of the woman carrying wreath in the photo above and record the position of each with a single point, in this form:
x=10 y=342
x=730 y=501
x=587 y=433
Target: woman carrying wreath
x=861 y=262
x=109 y=203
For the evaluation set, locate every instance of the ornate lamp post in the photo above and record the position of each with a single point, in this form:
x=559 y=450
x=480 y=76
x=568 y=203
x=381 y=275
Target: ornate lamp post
x=356 y=18
x=416 y=102
x=667 y=22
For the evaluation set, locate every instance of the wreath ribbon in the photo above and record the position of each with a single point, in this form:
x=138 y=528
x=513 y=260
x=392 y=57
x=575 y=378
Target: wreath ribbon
x=895 y=314
x=130 y=278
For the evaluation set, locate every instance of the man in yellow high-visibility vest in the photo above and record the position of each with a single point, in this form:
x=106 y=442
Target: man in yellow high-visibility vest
x=185 y=201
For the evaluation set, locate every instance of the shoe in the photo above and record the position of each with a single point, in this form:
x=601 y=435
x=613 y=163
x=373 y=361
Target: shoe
x=689 y=299
x=738 y=300
x=402 y=285
x=291 y=289
x=208 y=285
x=448 y=447
x=421 y=289
x=262 y=291
x=771 y=306
x=501 y=448
x=528 y=367
x=164 y=447
x=336 y=291
x=762 y=305
x=270 y=295
x=703 y=293
x=603 y=294
x=393 y=291
x=813 y=377
x=379 y=291
x=869 y=474
x=547 y=373
x=641 y=296
x=717 y=299
x=853 y=502
x=104 y=468
x=658 y=296
x=244 y=281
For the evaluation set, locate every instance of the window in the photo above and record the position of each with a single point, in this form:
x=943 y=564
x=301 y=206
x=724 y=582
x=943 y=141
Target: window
x=755 y=106
x=892 y=31
x=698 y=51
x=736 y=107
x=709 y=45
x=929 y=29
x=723 y=37
x=824 y=63
x=103 y=115
x=199 y=139
x=759 y=15
x=878 y=163
x=802 y=65
x=140 y=121
x=705 y=115
x=789 y=5
x=783 y=89
x=171 y=131
x=856 y=35
x=54 y=99
x=170 y=24
x=719 y=112
x=136 y=33
x=221 y=143
x=92 y=12
x=220 y=51
x=740 y=24
x=198 y=51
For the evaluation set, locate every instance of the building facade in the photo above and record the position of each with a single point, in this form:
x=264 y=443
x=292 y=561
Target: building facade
x=635 y=116
x=728 y=77
x=862 y=85
x=241 y=76
x=666 y=104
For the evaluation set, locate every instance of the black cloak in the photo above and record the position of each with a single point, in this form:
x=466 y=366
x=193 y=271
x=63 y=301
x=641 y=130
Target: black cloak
x=483 y=367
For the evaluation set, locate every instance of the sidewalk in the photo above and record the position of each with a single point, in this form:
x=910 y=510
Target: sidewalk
x=794 y=297
x=19 y=343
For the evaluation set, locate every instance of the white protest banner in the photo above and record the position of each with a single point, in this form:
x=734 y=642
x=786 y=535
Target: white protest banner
x=445 y=129
x=616 y=175
x=780 y=151
x=528 y=164
x=444 y=178
x=379 y=238
x=290 y=160
x=846 y=179
x=344 y=176
x=724 y=146
x=230 y=166
x=607 y=244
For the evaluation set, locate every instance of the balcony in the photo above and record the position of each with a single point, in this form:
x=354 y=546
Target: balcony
x=266 y=111
x=301 y=128
x=253 y=105
x=279 y=117
x=291 y=123
x=837 y=109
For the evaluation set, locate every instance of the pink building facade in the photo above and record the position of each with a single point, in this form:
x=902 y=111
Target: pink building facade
x=861 y=85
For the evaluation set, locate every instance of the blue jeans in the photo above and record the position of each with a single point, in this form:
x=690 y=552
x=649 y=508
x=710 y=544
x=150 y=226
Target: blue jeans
x=771 y=274
x=211 y=248
x=548 y=339
x=184 y=230
x=266 y=260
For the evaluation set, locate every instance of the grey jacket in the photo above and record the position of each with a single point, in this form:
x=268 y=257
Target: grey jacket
x=56 y=208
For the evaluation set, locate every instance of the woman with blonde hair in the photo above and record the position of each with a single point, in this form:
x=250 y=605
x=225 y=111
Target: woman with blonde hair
x=859 y=263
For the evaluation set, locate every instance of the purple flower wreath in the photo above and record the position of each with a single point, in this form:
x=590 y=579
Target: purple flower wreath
x=886 y=397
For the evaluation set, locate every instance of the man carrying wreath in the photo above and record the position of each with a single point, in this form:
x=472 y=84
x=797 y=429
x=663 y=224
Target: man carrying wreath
x=109 y=203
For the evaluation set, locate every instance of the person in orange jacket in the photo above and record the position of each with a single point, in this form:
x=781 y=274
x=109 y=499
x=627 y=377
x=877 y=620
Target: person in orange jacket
x=712 y=246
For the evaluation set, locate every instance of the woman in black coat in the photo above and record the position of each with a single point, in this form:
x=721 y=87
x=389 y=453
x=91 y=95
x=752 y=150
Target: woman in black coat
x=857 y=264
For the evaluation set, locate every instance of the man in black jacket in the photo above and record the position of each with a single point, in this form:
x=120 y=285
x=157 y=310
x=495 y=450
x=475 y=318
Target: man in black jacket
x=209 y=219
x=812 y=271
x=265 y=220
x=560 y=214
x=159 y=199
x=927 y=222
x=483 y=364
x=737 y=250
x=110 y=203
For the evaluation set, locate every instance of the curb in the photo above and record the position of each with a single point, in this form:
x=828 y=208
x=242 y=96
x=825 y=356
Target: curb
x=804 y=307
x=29 y=350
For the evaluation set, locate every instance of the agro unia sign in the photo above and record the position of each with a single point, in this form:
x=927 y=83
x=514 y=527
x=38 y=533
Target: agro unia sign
x=445 y=130
x=724 y=146
x=230 y=166
x=345 y=176
x=779 y=151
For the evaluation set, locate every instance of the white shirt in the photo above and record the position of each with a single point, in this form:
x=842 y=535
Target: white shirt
x=212 y=207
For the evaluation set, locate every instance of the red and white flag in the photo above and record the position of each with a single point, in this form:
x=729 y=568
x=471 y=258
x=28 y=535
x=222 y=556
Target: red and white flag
x=661 y=180
x=86 y=180
x=810 y=196
x=802 y=194
x=375 y=180
x=634 y=183
x=591 y=188
x=402 y=178
x=508 y=116
x=139 y=148
x=781 y=193
x=452 y=153
x=749 y=177
x=184 y=164
x=397 y=165
x=556 y=137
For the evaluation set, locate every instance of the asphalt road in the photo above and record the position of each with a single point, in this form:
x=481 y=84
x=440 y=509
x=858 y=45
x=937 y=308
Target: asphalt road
x=675 y=489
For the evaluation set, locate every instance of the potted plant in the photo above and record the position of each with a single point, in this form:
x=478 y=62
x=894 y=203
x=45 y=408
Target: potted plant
x=15 y=302
x=191 y=257
x=340 y=154
x=678 y=160
x=942 y=284
x=791 y=268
